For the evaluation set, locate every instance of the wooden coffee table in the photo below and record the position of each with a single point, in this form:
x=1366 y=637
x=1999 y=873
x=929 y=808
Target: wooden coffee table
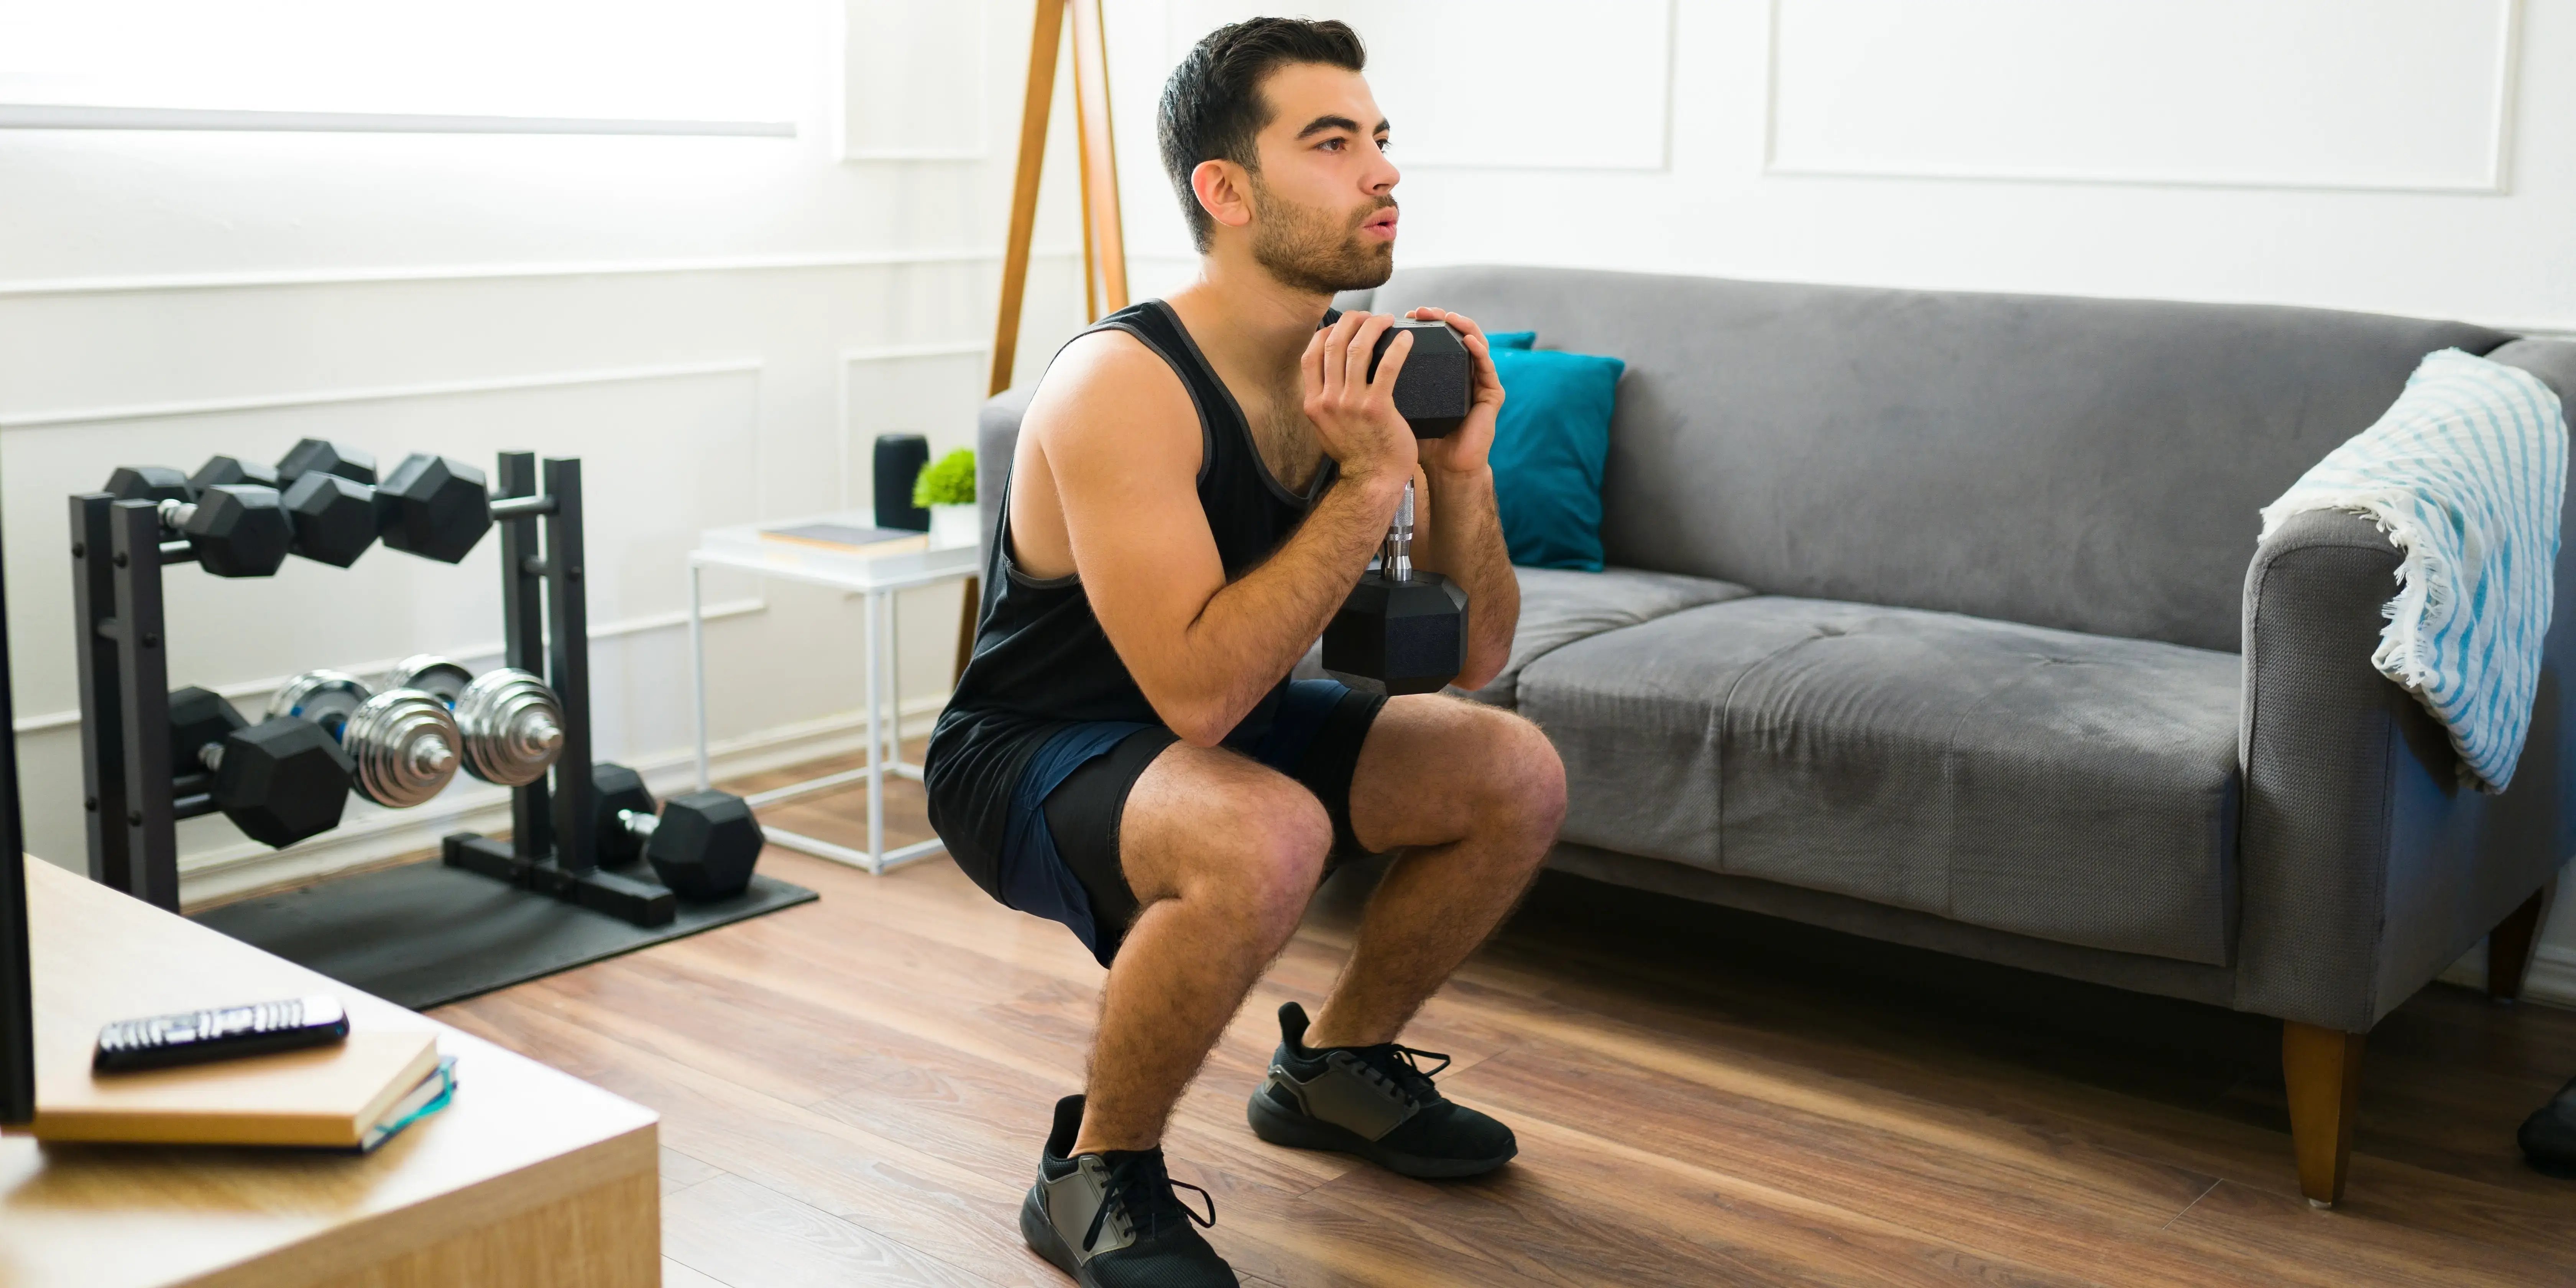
x=531 y=1177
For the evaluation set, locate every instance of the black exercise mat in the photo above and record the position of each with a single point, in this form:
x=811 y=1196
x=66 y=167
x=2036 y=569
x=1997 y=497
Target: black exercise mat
x=425 y=934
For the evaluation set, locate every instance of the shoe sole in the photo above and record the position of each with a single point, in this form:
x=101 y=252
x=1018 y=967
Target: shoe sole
x=1040 y=1234
x=1300 y=1131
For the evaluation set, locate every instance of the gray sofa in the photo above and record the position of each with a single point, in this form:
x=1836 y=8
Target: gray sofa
x=1940 y=618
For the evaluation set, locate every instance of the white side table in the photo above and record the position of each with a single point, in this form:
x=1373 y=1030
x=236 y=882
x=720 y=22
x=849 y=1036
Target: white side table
x=876 y=578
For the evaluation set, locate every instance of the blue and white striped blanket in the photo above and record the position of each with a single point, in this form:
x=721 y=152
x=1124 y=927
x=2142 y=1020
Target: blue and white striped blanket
x=2465 y=474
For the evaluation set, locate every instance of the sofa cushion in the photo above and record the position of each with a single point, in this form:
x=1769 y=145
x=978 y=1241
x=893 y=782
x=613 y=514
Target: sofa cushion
x=2088 y=464
x=1559 y=607
x=1549 y=441
x=2080 y=788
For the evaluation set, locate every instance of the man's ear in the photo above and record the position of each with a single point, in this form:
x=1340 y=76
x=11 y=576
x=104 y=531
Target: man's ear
x=1224 y=190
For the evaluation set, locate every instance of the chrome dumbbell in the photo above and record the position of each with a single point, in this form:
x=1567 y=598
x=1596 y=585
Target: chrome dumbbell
x=510 y=724
x=402 y=742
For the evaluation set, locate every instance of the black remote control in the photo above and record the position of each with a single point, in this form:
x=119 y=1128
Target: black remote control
x=231 y=1032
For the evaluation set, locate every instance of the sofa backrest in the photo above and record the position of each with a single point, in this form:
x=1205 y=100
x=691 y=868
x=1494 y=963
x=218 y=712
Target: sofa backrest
x=2088 y=464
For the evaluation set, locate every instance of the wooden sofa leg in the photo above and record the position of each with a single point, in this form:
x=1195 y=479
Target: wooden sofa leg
x=2323 y=1069
x=2509 y=947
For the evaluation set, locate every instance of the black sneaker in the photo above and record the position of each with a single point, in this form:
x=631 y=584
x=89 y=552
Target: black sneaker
x=1111 y=1220
x=1373 y=1101
x=2548 y=1137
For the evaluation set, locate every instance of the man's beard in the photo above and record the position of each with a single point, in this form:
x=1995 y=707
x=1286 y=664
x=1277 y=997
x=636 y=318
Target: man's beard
x=1312 y=249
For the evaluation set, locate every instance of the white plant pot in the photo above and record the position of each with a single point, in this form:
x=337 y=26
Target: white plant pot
x=954 y=525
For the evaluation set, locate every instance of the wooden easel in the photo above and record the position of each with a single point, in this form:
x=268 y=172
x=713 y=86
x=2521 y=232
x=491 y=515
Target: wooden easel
x=1104 y=247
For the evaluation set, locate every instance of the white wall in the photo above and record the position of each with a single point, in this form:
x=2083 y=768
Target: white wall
x=2406 y=156
x=718 y=326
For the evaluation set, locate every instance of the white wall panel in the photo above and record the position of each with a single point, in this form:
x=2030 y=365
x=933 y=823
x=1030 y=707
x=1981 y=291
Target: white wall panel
x=912 y=79
x=707 y=59
x=2402 y=94
x=1497 y=83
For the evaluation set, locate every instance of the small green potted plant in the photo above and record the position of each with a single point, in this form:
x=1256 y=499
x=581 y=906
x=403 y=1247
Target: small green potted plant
x=946 y=488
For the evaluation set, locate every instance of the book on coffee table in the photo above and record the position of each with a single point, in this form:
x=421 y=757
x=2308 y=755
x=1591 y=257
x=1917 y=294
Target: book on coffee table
x=848 y=539
x=352 y=1095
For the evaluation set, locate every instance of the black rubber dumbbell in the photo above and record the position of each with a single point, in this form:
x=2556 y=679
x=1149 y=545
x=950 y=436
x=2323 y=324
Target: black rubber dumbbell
x=335 y=517
x=232 y=469
x=436 y=507
x=279 y=781
x=1438 y=383
x=329 y=517
x=322 y=456
x=432 y=506
x=233 y=529
x=1401 y=630
x=703 y=845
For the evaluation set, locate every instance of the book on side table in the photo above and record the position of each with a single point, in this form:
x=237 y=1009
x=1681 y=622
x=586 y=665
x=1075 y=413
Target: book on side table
x=848 y=538
x=352 y=1095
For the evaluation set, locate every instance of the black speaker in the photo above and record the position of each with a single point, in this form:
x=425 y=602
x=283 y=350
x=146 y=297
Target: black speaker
x=900 y=458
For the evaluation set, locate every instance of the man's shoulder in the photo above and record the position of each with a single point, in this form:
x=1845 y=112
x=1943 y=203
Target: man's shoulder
x=1106 y=360
x=1109 y=382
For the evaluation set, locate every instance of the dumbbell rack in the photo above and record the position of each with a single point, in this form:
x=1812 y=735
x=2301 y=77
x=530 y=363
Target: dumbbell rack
x=134 y=804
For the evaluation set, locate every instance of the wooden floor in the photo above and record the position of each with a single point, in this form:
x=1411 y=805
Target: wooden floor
x=854 y=1091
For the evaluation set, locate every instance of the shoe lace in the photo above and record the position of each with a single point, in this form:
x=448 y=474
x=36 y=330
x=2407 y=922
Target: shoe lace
x=1401 y=1066
x=1139 y=1186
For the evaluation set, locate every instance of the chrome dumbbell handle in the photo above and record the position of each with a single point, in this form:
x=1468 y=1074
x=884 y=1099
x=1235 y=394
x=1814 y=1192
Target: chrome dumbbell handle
x=1395 y=557
x=638 y=825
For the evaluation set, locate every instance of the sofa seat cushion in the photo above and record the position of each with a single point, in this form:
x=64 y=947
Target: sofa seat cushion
x=2079 y=788
x=1559 y=607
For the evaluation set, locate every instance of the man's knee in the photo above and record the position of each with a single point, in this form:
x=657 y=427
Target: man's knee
x=1278 y=838
x=1522 y=786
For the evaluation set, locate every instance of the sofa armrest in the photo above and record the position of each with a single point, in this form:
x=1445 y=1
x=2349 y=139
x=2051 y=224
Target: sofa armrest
x=2365 y=867
x=997 y=437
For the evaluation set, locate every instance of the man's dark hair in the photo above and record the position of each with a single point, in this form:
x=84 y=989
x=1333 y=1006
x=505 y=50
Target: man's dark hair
x=1212 y=106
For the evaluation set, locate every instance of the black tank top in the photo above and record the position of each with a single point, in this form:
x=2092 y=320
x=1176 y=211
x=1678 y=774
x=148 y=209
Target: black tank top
x=1041 y=660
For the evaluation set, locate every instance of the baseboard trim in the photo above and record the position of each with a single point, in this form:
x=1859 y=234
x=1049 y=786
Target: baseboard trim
x=2550 y=980
x=246 y=868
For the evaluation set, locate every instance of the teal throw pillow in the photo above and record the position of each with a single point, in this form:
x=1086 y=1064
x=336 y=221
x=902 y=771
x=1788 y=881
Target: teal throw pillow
x=1550 y=445
x=1512 y=339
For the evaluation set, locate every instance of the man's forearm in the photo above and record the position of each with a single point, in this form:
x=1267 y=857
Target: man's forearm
x=1255 y=628
x=1466 y=546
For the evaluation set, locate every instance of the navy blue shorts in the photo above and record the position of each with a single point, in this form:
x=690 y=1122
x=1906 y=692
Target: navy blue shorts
x=1060 y=850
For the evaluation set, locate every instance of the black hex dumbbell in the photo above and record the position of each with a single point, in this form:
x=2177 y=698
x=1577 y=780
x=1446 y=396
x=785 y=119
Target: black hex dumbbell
x=1437 y=386
x=322 y=456
x=432 y=506
x=329 y=517
x=330 y=489
x=703 y=845
x=232 y=469
x=279 y=781
x=436 y=507
x=1402 y=630
x=233 y=529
